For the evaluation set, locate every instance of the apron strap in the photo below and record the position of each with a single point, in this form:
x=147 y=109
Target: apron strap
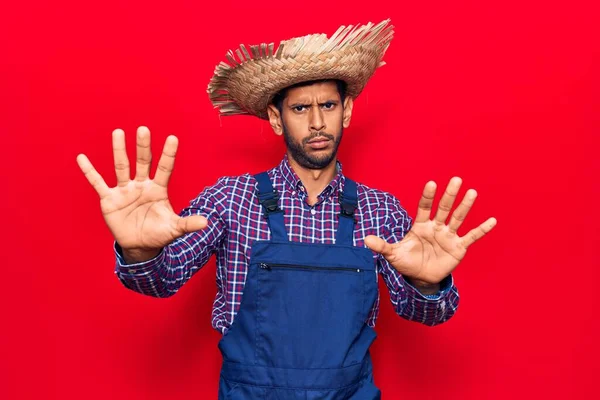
x=269 y=199
x=349 y=203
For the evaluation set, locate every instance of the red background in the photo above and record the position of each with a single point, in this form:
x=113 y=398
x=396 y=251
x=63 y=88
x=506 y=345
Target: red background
x=504 y=95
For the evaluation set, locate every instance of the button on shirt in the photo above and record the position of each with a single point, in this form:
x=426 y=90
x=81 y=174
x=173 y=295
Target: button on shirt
x=236 y=219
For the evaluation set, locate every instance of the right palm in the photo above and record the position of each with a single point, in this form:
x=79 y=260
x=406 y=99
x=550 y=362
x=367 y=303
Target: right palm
x=138 y=212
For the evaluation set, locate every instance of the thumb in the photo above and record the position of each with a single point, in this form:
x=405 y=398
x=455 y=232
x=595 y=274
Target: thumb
x=378 y=245
x=192 y=223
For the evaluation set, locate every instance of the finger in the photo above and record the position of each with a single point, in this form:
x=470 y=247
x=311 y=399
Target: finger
x=120 y=157
x=447 y=200
x=426 y=202
x=144 y=155
x=479 y=232
x=93 y=176
x=192 y=223
x=379 y=245
x=459 y=215
x=166 y=162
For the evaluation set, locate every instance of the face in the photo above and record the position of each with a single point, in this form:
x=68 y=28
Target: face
x=312 y=121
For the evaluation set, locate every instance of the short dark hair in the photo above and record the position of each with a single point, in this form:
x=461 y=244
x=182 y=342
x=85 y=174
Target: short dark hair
x=280 y=96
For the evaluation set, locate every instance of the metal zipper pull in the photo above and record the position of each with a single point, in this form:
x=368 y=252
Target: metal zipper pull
x=265 y=266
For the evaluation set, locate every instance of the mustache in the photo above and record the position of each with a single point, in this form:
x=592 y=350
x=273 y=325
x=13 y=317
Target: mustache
x=315 y=135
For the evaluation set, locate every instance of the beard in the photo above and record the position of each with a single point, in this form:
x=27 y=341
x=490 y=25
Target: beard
x=305 y=159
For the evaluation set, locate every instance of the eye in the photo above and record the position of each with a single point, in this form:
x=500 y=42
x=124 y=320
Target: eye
x=328 y=105
x=299 y=108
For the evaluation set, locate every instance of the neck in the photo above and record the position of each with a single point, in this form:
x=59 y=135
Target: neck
x=314 y=180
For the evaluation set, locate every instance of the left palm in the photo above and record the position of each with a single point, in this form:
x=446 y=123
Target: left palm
x=431 y=250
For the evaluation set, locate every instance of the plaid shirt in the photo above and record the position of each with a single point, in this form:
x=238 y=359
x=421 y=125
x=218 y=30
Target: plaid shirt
x=236 y=219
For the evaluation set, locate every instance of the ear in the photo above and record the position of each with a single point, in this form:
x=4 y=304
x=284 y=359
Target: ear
x=348 y=104
x=275 y=119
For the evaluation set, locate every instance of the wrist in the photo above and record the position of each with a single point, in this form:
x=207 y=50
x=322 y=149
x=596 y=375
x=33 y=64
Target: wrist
x=424 y=287
x=134 y=256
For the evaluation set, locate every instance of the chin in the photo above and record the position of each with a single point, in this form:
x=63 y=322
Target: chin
x=321 y=162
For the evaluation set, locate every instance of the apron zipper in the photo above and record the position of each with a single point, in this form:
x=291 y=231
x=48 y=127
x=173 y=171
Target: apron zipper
x=269 y=266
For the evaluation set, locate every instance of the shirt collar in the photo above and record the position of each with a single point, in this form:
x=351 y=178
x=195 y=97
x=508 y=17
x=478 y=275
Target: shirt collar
x=294 y=181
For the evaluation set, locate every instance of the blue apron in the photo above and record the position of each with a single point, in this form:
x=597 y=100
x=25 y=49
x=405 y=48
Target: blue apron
x=301 y=331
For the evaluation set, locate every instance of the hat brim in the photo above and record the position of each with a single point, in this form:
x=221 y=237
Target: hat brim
x=248 y=87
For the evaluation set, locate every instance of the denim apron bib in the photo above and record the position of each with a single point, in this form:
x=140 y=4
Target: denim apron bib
x=300 y=331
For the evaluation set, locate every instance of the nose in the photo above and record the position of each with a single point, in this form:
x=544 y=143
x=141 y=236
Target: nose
x=317 y=122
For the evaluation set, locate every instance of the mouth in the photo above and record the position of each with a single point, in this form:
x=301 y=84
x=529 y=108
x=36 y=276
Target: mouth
x=319 y=143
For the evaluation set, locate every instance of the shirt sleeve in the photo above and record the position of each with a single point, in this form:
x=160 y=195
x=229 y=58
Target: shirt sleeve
x=163 y=275
x=408 y=301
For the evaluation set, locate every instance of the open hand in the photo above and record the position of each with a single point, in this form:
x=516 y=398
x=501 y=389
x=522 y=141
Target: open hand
x=138 y=212
x=431 y=250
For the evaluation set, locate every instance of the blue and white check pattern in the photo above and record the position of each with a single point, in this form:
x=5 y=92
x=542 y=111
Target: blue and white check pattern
x=236 y=219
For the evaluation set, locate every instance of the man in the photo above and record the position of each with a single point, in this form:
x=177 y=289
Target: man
x=297 y=295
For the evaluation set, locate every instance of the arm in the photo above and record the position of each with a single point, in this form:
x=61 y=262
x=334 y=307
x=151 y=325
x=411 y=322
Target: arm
x=175 y=264
x=411 y=301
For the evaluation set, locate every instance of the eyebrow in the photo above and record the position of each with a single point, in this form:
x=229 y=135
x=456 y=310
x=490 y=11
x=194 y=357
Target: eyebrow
x=308 y=104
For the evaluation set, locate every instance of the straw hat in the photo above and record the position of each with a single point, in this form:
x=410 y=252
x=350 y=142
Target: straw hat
x=247 y=85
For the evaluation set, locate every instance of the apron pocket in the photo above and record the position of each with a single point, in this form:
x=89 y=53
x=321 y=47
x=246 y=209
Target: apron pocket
x=308 y=315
